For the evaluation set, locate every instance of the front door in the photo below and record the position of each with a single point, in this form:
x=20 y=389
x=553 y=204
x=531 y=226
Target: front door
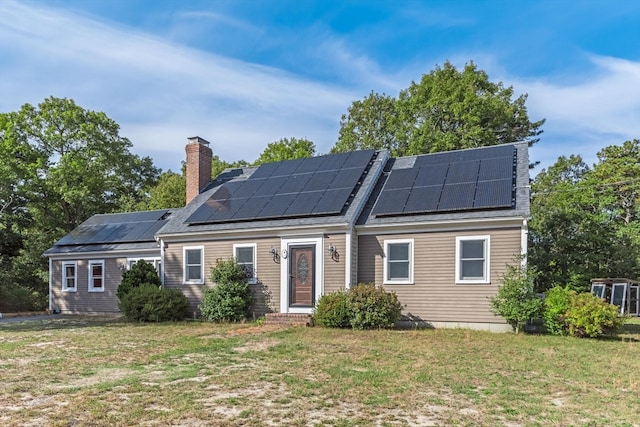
x=302 y=275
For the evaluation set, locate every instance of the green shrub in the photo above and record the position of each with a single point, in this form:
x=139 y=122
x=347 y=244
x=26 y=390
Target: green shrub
x=333 y=311
x=230 y=299
x=556 y=304
x=516 y=301
x=372 y=307
x=590 y=316
x=141 y=272
x=149 y=303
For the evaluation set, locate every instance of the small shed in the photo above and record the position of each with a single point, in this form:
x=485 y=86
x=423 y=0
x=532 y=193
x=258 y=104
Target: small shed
x=623 y=293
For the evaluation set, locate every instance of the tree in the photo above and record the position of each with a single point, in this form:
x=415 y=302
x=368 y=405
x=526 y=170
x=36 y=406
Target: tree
x=60 y=165
x=287 y=149
x=447 y=110
x=516 y=300
x=371 y=123
x=585 y=220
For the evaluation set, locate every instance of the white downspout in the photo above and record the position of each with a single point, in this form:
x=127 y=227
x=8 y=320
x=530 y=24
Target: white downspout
x=50 y=286
x=162 y=262
x=524 y=232
x=347 y=258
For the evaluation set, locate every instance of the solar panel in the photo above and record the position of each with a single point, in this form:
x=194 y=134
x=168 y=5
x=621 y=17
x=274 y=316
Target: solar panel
x=126 y=217
x=431 y=175
x=276 y=206
x=304 y=203
x=288 y=167
x=401 y=178
x=320 y=181
x=272 y=185
x=314 y=186
x=252 y=208
x=346 y=178
x=423 y=199
x=496 y=168
x=332 y=201
x=457 y=196
x=264 y=171
x=494 y=194
x=295 y=183
x=463 y=172
x=391 y=202
x=358 y=158
x=249 y=187
x=334 y=161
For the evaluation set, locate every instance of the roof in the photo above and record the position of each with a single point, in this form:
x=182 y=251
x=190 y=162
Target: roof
x=486 y=182
x=322 y=190
x=120 y=231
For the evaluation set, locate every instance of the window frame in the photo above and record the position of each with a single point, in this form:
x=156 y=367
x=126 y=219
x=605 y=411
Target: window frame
x=487 y=261
x=386 y=270
x=90 y=279
x=254 y=279
x=66 y=288
x=185 y=265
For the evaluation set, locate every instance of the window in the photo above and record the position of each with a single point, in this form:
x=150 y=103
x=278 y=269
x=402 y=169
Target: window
x=69 y=276
x=472 y=259
x=246 y=256
x=194 y=264
x=96 y=276
x=398 y=265
x=598 y=290
x=153 y=261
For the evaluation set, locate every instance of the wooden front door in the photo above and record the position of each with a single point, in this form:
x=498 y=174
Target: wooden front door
x=302 y=275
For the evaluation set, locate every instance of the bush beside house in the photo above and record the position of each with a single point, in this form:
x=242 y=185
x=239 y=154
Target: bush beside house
x=142 y=299
x=364 y=306
x=579 y=314
x=230 y=299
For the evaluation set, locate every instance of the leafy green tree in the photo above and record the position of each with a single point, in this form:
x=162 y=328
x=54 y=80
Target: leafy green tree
x=60 y=165
x=516 y=300
x=446 y=110
x=585 y=220
x=371 y=123
x=141 y=272
x=287 y=149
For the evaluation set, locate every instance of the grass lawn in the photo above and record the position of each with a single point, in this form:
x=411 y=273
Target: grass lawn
x=92 y=371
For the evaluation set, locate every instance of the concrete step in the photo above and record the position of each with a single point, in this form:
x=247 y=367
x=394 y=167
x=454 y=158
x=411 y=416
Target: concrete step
x=293 y=319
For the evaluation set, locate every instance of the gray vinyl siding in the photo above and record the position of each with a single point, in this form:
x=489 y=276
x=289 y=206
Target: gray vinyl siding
x=334 y=270
x=83 y=301
x=266 y=292
x=434 y=295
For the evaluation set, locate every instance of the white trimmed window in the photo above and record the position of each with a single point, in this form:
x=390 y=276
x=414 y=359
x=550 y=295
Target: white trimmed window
x=245 y=255
x=96 y=276
x=398 y=263
x=193 y=257
x=153 y=261
x=69 y=276
x=472 y=259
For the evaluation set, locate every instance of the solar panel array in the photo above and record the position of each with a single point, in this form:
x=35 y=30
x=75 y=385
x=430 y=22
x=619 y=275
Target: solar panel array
x=116 y=228
x=294 y=188
x=452 y=181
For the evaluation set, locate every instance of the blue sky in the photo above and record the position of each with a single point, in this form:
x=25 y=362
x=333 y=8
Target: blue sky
x=245 y=73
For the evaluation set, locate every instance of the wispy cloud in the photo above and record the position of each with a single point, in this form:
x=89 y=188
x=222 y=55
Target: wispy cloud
x=141 y=81
x=221 y=19
x=595 y=108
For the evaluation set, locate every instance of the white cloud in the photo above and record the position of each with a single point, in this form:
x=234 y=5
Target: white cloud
x=160 y=93
x=601 y=108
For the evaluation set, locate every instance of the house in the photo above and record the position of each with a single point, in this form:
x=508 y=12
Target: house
x=86 y=265
x=438 y=229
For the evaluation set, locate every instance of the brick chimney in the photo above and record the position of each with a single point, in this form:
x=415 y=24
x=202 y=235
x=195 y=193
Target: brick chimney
x=198 y=166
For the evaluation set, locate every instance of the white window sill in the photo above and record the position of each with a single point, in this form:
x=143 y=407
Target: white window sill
x=96 y=290
x=193 y=282
x=398 y=282
x=69 y=290
x=473 y=282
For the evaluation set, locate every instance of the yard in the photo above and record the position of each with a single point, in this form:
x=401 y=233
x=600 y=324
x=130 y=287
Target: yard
x=97 y=371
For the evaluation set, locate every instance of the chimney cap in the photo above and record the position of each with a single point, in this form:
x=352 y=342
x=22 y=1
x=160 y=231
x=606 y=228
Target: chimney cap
x=198 y=140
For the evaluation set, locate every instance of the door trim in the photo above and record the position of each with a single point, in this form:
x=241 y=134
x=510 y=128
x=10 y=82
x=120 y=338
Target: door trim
x=284 y=271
